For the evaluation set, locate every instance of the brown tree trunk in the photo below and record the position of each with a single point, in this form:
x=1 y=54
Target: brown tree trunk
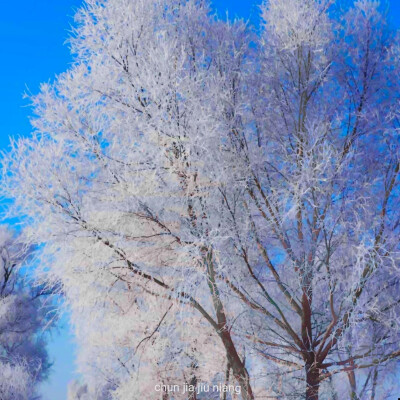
x=193 y=382
x=353 y=385
x=374 y=384
x=239 y=370
x=312 y=380
x=227 y=373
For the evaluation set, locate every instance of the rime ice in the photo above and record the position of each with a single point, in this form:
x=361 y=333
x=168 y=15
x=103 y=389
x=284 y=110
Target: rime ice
x=220 y=204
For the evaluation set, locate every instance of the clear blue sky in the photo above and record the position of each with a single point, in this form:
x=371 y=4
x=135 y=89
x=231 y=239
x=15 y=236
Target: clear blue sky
x=32 y=50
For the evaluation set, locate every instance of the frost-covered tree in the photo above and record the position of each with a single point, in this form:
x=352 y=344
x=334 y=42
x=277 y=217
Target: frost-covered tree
x=77 y=391
x=221 y=206
x=81 y=391
x=23 y=357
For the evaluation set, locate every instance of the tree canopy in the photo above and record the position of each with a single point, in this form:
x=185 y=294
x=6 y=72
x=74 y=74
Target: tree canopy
x=24 y=361
x=220 y=204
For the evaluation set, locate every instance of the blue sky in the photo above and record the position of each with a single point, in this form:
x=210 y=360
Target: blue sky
x=33 y=50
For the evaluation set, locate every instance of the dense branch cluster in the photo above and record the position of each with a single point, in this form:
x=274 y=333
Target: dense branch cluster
x=220 y=204
x=23 y=358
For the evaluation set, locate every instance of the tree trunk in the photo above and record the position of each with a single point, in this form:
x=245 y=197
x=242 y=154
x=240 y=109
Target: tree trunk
x=238 y=368
x=165 y=396
x=374 y=383
x=312 y=379
x=227 y=373
x=193 y=382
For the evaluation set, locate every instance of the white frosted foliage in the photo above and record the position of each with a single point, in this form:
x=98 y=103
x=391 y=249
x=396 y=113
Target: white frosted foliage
x=220 y=205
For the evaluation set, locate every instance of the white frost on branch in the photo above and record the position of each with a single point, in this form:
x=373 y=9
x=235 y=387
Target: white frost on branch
x=218 y=205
